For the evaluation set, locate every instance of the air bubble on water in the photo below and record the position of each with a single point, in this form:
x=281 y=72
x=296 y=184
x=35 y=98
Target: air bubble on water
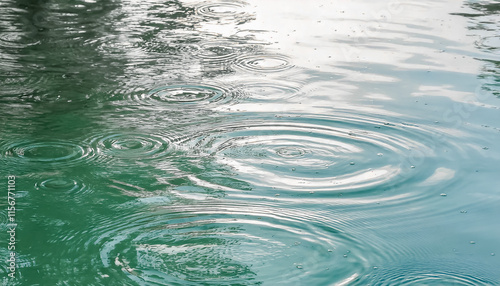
x=492 y=254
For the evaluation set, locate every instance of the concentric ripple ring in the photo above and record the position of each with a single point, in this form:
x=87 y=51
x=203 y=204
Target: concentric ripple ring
x=263 y=63
x=53 y=152
x=218 y=242
x=131 y=146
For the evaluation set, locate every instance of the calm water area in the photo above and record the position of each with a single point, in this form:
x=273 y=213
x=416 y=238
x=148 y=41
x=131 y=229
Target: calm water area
x=258 y=142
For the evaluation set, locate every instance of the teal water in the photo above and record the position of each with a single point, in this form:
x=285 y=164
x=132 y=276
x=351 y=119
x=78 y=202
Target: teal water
x=250 y=142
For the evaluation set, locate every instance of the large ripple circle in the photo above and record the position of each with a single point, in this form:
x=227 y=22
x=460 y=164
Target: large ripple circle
x=53 y=152
x=313 y=155
x=194 y=94
x=230 y=244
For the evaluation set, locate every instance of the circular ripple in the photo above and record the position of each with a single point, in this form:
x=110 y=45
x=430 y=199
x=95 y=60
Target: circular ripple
x=291 y=152
x=266 y=63
x=224 y=10
x=60 y=185
x=308 y=154
x=220 y=244
x=186 y=93
x=131 y=146
x=195 y=94
x=55 y=152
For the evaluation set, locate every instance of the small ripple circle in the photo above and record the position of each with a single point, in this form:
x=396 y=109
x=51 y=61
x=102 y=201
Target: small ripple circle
x=129 y=145
x=266 y=63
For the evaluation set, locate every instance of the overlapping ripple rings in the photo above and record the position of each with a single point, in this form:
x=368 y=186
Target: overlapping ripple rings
x=310 y=154
x=195 y=94
x=217 y=243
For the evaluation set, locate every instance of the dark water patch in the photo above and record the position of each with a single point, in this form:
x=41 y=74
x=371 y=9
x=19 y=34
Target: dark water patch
x=169 y=43
x=62 y=185
x=483 y=24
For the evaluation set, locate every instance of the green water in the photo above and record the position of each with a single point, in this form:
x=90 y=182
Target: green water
x=249 y=143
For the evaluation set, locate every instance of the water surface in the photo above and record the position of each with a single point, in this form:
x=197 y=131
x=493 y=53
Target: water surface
x=251 y=142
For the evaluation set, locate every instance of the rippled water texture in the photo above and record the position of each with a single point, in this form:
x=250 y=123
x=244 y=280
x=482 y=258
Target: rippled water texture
x=250 y=142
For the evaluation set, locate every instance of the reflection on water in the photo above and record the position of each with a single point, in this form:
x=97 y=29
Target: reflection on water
x=251 y=143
